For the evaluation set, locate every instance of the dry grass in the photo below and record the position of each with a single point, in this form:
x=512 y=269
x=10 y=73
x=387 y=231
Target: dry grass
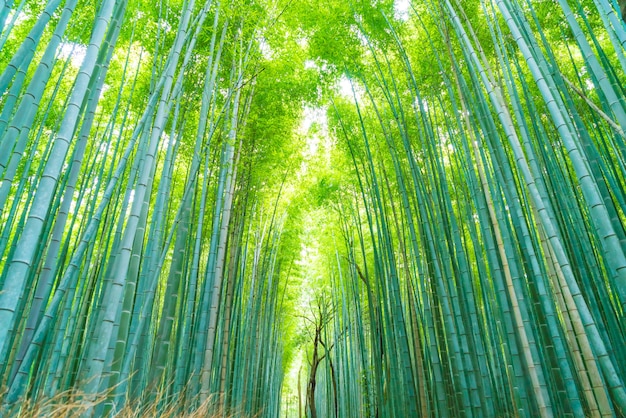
x=74 y=404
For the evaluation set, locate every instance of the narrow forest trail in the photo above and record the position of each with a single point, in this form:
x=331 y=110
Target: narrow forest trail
x=313 y=208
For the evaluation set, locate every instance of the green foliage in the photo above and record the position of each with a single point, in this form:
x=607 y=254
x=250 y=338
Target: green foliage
x=179 y=215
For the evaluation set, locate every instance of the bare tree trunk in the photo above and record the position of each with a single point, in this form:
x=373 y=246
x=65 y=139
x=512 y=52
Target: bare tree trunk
x=310 y=393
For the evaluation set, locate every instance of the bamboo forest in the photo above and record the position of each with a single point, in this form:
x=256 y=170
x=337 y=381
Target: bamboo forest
x=313 y=208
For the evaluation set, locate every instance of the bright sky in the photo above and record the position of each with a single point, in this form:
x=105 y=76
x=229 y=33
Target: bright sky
x=76 y=53
x=402 y=8
x=345 y=87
